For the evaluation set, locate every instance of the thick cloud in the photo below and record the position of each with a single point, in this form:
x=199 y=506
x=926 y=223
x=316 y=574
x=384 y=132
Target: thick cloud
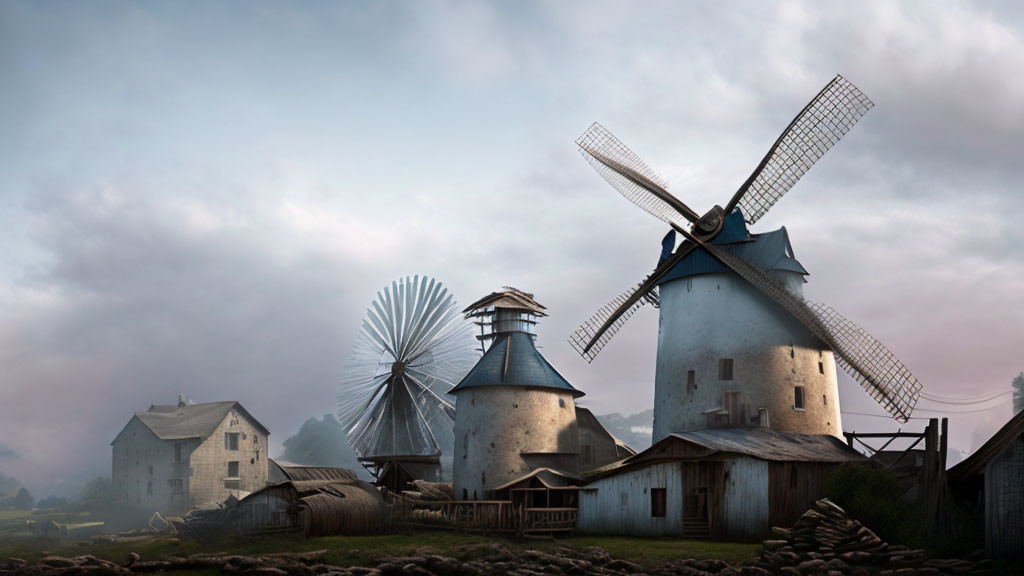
x=206 y=203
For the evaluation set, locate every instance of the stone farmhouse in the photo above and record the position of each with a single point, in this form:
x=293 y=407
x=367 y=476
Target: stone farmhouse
x=172 y=458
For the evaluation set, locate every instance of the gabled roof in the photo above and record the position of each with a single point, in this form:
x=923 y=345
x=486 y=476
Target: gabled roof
x=509 y=299
x=977 y=463
x=170 y=422
x=548 y=477
x=769 y=251
x=513 y=360
x=584 y=417
x=760 y=443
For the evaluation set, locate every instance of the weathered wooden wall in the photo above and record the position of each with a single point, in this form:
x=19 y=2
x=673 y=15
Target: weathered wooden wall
x=621 y=504
x=745 y=499
x=794 y=488
x=1004 y=504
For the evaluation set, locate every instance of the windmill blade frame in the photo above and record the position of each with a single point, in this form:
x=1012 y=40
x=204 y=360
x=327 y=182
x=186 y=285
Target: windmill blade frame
x=818 y=127
x=631 y=176
x=412 y=348
x=871 y=364
x=592 y=335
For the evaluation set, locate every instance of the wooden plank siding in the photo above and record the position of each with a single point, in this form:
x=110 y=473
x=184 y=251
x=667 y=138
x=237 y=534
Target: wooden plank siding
x=1004 y=503
x=794 y=487
x=745 y=514
x=621 y=503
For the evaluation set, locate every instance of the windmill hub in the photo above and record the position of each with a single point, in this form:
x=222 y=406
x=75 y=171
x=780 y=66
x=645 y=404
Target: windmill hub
x=398 y=369
x=710 y=224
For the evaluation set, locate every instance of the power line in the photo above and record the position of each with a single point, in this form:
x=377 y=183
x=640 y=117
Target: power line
x=964 y=401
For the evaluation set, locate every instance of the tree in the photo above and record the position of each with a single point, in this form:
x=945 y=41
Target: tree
x=97 y=492
x=23 y=500
x=321 y=443
x=52 y=503
x=1018 y=393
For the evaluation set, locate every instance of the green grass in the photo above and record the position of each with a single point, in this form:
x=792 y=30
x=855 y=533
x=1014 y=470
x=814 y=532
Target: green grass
x=358 y=550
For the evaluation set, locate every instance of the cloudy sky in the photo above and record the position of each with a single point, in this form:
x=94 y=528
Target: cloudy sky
x=205 y=198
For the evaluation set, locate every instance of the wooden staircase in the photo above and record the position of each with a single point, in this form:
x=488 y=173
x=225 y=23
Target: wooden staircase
x=696 y=528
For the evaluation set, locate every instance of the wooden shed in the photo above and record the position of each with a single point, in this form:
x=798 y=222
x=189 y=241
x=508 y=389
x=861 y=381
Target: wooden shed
x=993 y=479
x=721 y=483
x=323 y=503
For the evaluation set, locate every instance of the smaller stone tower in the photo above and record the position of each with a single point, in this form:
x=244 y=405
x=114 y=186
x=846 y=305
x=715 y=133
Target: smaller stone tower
x=514 y=412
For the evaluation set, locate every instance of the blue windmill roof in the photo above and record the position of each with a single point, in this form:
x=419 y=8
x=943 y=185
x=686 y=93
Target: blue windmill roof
x=769 y=251
x=513 y=360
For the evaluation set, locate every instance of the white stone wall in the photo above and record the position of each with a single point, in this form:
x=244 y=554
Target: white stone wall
x=709 y=317
x=144 y=465
x=209 y=465
x=495 y=425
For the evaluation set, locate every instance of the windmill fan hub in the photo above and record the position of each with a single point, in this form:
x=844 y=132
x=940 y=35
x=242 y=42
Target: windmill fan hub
x=710 y=224
x=398 y=369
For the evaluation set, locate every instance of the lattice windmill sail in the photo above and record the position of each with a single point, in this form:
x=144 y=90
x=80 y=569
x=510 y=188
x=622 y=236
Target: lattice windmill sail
x=818 y=127
x=412 y=348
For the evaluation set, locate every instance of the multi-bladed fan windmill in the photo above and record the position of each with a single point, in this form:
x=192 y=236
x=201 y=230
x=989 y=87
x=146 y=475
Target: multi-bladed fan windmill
x=738 y=345
x=413 y=347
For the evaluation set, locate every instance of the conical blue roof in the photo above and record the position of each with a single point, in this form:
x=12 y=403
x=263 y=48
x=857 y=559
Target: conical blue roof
x=513 y=360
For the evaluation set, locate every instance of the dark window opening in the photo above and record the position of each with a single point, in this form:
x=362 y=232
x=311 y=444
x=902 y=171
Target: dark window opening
x=561 y=403
x=824 y=400
x=233 y=469
x=658 y=502
x=691 y=381
x=177 y=485
x=231 y=440
x=725 y=369
x=798 y=397
x=821 y=367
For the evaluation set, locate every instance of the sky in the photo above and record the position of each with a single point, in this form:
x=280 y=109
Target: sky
x=205 y=198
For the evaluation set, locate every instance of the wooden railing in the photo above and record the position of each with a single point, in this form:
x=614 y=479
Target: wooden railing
x=489 y=516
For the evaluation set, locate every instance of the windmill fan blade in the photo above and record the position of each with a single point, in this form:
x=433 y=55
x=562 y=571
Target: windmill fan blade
x=628 y=174
x=877 y=370
x=593 y=334
x=596 y=331
x=826 y=119
x=871 y=364
x=412 y=349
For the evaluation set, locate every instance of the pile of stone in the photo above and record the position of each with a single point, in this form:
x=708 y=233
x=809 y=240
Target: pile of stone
x=825 y=541
x=480 y=560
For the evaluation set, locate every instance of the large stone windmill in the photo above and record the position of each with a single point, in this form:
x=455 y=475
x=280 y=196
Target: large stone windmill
x=737 y=344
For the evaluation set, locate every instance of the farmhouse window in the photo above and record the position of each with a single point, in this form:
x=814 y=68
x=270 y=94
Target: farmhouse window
x=657 y=502
x=798 y=397
x=725 y=369
x=233 y=469
x=231 y=440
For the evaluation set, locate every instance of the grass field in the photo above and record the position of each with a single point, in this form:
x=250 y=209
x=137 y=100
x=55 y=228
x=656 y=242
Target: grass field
x=356 y=550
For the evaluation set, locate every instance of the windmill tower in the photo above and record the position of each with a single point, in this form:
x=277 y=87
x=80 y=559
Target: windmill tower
x=737 y=343
x=515 y=412
x=413 y=346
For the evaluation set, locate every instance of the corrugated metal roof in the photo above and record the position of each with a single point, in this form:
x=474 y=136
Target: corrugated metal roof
x=977 y=462
x=769 y=251
x=513 y=360
x=171 y=422
x=767 y=444
x=298 y=472
x=760 y=443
